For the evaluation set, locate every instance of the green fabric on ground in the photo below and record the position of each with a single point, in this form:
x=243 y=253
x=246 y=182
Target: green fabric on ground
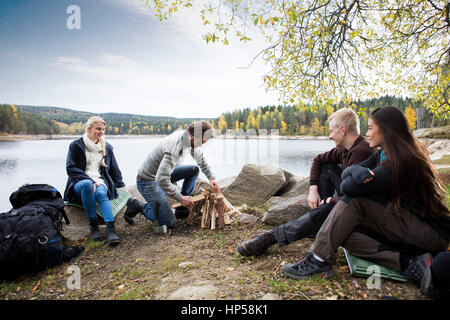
x=364 y=268
x=116 y=204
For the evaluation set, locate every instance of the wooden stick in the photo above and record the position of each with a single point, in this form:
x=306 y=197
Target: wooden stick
x=221 y=210
x=205 y=206
x=194 y=212
x=213 y=214
x=228 y=204
x=226 y=218
x=195 y=199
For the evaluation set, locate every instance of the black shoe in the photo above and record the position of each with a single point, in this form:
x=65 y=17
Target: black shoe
x=307 y=267
x=95 y=232
x=182 y=212
x=71 y=252
x=419 y=272
x=111 y=235
x=258 y=245
x=134 y=206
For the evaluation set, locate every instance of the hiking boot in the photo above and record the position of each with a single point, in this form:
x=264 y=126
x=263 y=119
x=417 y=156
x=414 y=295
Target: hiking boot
x=419 y=272
x=258 y=245
x=182 y=212
x=111 y=235
x=307 y=267
x=134 y=206
x=95 y=232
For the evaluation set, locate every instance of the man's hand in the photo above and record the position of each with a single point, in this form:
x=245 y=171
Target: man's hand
x=95 y=186
x=214 y=185
x=186 y=201
x=327 y=200
x=313 y=197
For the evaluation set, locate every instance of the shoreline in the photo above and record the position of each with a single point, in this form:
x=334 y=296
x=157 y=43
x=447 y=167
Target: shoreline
x=19 y=137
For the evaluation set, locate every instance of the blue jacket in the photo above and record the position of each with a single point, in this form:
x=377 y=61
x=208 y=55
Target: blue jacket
x=76 y=166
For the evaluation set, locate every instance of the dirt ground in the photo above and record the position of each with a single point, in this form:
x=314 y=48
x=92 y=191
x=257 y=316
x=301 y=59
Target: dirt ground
x=153 y=266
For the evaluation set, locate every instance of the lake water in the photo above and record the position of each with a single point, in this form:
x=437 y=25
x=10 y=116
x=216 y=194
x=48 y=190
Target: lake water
x=43 y=161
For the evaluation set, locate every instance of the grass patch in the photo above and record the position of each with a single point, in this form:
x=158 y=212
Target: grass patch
x=91 y=244
x=8 y=286
x=281 y=286
x=171 y=264
x=134 y=293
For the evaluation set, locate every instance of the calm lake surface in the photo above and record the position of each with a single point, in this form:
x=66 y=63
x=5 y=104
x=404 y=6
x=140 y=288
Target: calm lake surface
x=43 y=161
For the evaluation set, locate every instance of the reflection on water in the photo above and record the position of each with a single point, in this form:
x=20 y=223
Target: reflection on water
x=43 y=161
x=7 y=165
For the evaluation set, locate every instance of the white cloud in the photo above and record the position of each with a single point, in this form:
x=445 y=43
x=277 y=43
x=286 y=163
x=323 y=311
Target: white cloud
x=116 y=83
x=204 y=86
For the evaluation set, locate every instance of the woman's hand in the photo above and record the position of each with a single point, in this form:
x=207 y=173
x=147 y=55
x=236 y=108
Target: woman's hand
x=366 y=180
x=96 y=184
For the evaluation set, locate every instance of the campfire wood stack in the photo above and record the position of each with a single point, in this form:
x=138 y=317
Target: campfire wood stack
x=213 y=209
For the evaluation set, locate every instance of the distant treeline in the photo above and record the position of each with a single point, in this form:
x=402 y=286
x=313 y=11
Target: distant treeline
x=289 y=120
x=73 y=122
x=15 y=121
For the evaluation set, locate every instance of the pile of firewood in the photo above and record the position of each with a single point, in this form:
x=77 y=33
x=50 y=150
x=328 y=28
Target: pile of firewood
x=213 y=210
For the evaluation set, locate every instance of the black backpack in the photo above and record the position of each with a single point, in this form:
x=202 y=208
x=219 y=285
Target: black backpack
x=30 y=233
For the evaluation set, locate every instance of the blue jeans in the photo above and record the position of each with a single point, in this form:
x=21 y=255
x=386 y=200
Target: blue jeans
x=157 y=204
x=85 y=190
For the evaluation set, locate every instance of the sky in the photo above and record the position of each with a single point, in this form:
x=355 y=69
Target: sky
x=121 y=58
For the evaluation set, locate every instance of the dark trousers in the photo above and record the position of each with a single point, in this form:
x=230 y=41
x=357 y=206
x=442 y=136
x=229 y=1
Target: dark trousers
x=401 y=230
x=309 y=224
x=329 y=180
x=306 y=226
x=187 y=172
x=440 y=268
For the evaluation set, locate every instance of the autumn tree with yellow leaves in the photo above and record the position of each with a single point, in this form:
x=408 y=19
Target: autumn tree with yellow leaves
x=323 y=52
x=410 y=115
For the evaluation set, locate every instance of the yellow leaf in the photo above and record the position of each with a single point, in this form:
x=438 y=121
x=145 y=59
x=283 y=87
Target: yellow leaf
x=37 y=286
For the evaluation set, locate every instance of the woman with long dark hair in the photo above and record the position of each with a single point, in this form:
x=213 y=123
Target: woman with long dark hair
x=393 y=198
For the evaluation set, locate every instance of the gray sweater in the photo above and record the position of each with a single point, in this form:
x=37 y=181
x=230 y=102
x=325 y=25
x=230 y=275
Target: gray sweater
x=169 y=153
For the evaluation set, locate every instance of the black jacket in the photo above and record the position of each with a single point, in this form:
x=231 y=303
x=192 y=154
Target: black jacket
x=76 y=166
x=380 y=190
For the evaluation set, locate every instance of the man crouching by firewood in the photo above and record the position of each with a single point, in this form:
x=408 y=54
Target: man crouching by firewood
x=161 y=170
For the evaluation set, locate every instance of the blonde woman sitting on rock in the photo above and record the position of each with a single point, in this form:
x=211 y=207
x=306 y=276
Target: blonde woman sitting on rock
x=94 y=176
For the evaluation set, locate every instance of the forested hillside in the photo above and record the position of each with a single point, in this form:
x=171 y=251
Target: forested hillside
x=72 y=121
x=291 y=121
x=15 y=121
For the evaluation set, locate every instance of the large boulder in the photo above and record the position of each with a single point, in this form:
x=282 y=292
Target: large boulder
x=225 y=182
x=439 y=149
x=255 y=184
x=296 y=186
x=199 y=292
x=286 y=210
x=79 y=223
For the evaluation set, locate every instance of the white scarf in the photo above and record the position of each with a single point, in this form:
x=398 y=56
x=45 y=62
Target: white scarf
x=95 y=147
